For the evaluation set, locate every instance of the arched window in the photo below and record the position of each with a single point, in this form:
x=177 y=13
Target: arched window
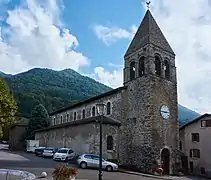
x=108 y=108
x=74 y=116
x=61 y=119
x=67 y=118
x=83 y=114
x=132 y=70
x=141 y=66
x=167 y=69
x=93 y=111
x=110 y=143
x=157 y=65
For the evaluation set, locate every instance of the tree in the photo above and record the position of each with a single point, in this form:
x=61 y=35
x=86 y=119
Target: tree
x=8 y=107
x=39 y=119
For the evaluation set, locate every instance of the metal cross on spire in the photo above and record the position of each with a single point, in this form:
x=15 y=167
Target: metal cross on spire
x=148 y=3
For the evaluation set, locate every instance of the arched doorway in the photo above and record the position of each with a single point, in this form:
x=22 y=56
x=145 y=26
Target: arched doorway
x=165 y=159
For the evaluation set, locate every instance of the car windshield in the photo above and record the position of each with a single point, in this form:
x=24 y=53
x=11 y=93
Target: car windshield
x=62 y=151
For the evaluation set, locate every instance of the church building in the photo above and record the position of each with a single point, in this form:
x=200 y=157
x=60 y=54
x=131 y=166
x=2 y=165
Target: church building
x=140 y=123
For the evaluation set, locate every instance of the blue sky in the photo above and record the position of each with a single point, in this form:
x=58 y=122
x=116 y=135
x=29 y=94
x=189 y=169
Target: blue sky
x=92 y=36
x=110 y=13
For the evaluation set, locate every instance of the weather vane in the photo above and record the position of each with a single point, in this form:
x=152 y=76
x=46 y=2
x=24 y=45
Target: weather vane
x=148 y=3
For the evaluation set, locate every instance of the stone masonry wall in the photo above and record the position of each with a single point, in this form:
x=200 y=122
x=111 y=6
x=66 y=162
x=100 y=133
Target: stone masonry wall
x=81 y=138
x=114 y=99
x=144 y=133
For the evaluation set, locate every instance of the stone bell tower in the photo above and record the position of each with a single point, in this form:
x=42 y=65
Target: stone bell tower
x=151 y=120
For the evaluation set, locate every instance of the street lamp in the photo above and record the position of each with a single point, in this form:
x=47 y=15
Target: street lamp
x=100 y=111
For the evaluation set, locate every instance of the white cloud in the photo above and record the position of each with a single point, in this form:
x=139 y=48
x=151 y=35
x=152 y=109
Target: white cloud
x=112 y=79
x=186 y=25
x=35 y=36
x=110 y=35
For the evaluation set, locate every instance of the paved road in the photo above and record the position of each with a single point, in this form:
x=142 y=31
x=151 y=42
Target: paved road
x=36 y=165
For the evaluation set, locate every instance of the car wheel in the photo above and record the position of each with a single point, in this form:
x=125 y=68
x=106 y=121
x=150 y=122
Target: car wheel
x=66 y=159
x=83 y=165
x=109 y=168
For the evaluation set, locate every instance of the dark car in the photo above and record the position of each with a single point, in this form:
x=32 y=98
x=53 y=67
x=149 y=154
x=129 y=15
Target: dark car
x=38 y=151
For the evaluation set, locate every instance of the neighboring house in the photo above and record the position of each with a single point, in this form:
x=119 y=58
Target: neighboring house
x=140 y=124
x=16 y=133
x=195 y=143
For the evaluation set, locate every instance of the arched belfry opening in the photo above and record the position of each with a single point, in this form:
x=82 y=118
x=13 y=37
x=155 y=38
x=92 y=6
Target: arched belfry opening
x=132 y=70
x=157 y=65
x=141 y=66
x=165 y=160
x=167 y=69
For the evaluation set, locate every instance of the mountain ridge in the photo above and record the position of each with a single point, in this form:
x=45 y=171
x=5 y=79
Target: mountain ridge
x=57 y=89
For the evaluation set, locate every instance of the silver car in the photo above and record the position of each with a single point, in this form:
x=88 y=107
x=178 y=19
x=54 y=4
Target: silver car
x=92 y=161
x=49 y=152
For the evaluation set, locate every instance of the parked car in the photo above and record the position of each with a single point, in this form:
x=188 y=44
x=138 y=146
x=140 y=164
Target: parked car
x=38 y=151
x=92 y=161
x=49 y=152
x=64 y=154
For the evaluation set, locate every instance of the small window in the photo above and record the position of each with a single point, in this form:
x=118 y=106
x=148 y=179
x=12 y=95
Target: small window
x=195 y=137
x=206 y=123
x=180 y=145
x=54 y=121
x=157 y=66
x=141 y=66
x=190 y=153
x=67 y=117
x=203 y=170
x=132 y=70
x=83 y=114
x=74 y=116
x=108 y=108
x=93 y=111
x=167 y=69
x=61 y=119
x=203 y=123
x=109 y=143
x=195 y=153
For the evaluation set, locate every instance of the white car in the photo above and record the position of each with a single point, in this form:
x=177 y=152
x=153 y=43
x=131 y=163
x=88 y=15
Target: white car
x=64 y=154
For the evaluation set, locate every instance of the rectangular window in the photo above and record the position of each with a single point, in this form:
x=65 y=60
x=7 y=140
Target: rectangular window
x=195 y=153
x=61 y=120
x=180 y=145
x=190 y=153
x=206 y=123
x=54 y=121
x=195 y=137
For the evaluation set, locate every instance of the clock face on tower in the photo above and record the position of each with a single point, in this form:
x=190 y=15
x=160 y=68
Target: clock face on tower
x=164 y=111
